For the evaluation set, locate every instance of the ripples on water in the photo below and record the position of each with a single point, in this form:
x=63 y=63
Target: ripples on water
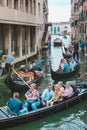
x=74 y=118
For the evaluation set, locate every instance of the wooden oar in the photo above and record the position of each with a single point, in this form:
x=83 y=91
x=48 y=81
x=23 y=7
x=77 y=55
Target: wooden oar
x=20 y=77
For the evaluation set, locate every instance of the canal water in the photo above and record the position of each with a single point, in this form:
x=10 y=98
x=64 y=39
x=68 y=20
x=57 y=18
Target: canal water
x=74 y=118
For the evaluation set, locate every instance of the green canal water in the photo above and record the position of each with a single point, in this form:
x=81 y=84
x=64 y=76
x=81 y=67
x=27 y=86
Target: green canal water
x=74 y=118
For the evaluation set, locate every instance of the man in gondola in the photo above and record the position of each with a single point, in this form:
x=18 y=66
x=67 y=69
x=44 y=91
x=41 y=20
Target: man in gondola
x=47 y=94
x=16 y=105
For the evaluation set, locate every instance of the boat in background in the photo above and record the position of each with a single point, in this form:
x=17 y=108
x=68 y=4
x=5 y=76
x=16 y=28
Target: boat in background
x=57 y=42
x=61 y=75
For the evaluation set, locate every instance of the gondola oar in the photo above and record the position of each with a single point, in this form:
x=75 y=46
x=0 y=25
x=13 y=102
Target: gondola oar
x=20 y=77
x=62 y=51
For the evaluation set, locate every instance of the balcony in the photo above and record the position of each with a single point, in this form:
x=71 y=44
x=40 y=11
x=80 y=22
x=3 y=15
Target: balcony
x=75 y=16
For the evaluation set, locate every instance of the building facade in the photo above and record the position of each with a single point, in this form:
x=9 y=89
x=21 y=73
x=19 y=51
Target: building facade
x=79 y=19
x=60 y=28
x=22 y=26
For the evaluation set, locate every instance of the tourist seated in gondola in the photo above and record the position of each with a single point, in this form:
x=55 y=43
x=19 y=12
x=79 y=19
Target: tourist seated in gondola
x=71 y=48
x=66 y=66
x=68 y=90
x=16 y=105
x=61 y=86
x=68 y=52
x=47 y=94
x=61 y=65
x=22 y=68
x=32 y=98
x=72 y=64
x=57 y=95
x=35 y=69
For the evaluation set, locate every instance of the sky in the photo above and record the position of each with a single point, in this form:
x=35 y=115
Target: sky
x=59 y=10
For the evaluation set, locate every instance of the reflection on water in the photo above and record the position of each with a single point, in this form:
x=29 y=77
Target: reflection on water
x=74 y=118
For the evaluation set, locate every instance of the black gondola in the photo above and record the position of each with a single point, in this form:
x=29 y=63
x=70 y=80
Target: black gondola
x=18 y=85
x=7 y=119
x=60 y=75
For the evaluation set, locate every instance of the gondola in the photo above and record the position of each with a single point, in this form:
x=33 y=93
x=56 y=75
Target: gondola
x=8 y=119
x=57 y=42
x=61 y=75
x=15 y=84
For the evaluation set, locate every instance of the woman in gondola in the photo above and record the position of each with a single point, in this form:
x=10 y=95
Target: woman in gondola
x=61 y=65
x=32 y=97
x=56 y=97
x=68 y=90
x=66 y=66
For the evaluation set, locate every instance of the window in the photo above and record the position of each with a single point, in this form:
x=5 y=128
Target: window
x=54 y=30
x=65 y=27
x=31 y=6
x=75 y=7
x=26 y=5
x=39 y=9
x=15 y=4
x=1 y=2
x=21 y=5
x=34 y=7
x=51 y=29
x=9 y=3
x=58 y=29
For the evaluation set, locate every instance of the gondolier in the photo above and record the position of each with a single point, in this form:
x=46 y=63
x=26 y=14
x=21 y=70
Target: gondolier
x=9 y=61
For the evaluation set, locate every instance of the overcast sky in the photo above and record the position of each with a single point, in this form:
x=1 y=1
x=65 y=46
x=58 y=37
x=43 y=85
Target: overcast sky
x=59 y=10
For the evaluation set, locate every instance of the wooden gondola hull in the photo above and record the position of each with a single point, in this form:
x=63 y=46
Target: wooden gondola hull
x=18 y=86
x=57 y=75
x=12 y=121
x=57 y=43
